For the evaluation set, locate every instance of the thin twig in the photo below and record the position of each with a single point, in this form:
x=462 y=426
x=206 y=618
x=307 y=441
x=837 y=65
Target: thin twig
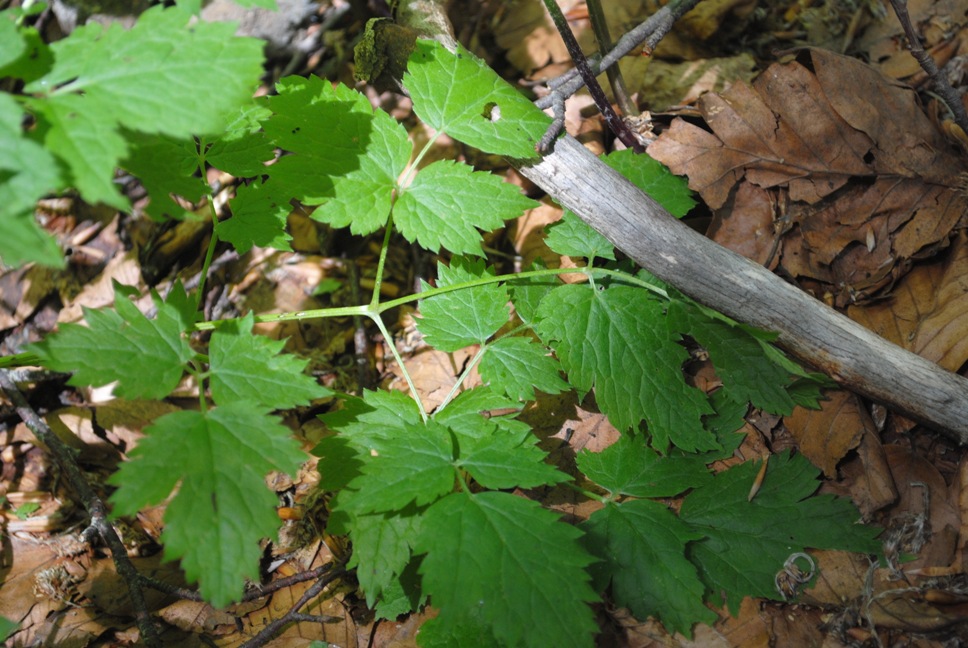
x=600 y=26
x=91 y=502
x=251 y=595
x=614 y=122
x=945 y=91
x=650 y=32
x=273 y=628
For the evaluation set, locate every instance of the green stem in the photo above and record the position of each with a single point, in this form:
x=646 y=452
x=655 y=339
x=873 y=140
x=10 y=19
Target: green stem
x=384 y=250
x=213 y=241
x=373 y=311
x=463 y=376
x=399 y=360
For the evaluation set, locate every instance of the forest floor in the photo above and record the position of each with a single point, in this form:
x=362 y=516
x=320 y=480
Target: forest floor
x=735 y=98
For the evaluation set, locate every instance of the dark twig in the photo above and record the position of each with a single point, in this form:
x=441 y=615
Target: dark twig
x=600 y=26
x=614 y=122
x=262 y=591
x=89 y=499
x=273 y=628
x=650 y=32
x=945 y=91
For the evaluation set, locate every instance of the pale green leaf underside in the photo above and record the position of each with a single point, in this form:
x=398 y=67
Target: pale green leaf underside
x=475 y=541
x=461 y=96
x=448 y=203
x=222 y=509
x=517 y=366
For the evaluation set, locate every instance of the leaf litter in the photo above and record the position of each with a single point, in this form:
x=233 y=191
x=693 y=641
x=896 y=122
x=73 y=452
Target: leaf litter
x=828 y=230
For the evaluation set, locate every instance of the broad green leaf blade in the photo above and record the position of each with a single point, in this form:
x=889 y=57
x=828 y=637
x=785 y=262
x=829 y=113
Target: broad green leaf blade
x=459 y=318
x=473 y=542
x=259 y=215
x=412 y=468
x=748 y=374
x=222 y=508
x=166 y=167
x=573 y=237
x=146 y=357
x=346 y=157
x=243 y=148
x=86 y=143
x=35 y=58
x=339 y=462
x=517 y=365
x=747 y=542
x=381 y=549
x=500 y=460
x=461 y=96
x=527 y=293
x=379 y=416
x=620 y=331
x=654 y=178
x=12 y=44
x=642 y=546
x=448 y=203
x=630 y=467
x=247 y=367
x=160 y=76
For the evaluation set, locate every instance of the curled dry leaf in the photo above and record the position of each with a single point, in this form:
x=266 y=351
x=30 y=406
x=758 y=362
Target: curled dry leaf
x=855 y=179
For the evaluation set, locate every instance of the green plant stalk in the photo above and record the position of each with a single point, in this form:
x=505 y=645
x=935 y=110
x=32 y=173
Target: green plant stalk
x=371 y=311
x=455 y=389
x=399 y=360
x=213 y=240
x=381 y=264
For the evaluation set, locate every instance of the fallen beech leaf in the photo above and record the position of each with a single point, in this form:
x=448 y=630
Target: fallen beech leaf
x=827 y=434
x=863 y=181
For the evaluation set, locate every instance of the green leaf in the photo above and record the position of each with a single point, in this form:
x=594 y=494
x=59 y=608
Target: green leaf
x=448 y=202
x=747 y=373
x=746 y=542
x=340 y=462
x=460 y=95
x=573 y=237
x=527 y=293
x=346 y=157
x=602 y=333
x=35 y=58
x=166 y=166
x=473 y=542
x=247 y=367
x=243 y=148
x=259 y=216
x=381 y=549
x=218 y=460
x=517 y=365
x=7 y=628
x=642 y=548
x=146 y=357
x=369 y=421
x=89 y=146
x=459 y=318
x=654 y=178
x=158 y=76
x=416 y=467
x=501 y=460
x=12 y=44
x=630 y=467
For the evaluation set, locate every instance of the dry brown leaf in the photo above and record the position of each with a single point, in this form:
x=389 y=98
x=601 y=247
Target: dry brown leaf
x=529 y=36
x=827 y=434
x=863 y=182
x=927 y=312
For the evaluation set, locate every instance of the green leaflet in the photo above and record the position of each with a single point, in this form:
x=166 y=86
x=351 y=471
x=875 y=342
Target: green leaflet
x=473 y=542
x=222 y=508
x=461 y=96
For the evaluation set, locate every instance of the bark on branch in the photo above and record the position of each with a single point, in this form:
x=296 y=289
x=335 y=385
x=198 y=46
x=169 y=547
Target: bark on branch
x=817 y=335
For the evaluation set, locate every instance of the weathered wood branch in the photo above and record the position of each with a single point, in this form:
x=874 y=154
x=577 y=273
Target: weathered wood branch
x=817 y=335
x=855 y=357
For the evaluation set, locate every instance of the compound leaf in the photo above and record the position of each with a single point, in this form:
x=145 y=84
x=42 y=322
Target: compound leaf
x=146 y=356
x=461 y=96
x=746 y=542
x=448 y=202
x=222 y=508
x=456 y=319
x=473 y=542
x=599 y=334
x=247 y=367
x=518 y=365
x=642 y=546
